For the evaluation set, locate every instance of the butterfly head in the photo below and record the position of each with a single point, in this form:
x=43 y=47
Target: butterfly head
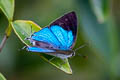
x=73 y=51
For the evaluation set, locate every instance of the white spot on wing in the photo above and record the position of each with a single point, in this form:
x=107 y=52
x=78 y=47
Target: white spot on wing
x=66 y=19
x=33 y=43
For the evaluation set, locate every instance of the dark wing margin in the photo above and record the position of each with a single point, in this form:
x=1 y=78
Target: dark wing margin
x=68 y=22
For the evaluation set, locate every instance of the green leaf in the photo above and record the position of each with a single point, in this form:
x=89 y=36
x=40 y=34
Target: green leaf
x=7 y=6
x=99 y=8
x=24 y=29
x=2 y=77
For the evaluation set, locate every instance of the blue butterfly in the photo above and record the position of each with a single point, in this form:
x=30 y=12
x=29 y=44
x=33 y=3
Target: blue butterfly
x=57 y=39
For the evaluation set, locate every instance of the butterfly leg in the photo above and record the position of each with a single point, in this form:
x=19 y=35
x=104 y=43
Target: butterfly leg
x=51 y=59
x=31 y=33
x=22 y=48
x=64 y=62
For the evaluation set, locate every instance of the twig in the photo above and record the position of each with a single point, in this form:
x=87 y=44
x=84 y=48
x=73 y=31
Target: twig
x=3 y=42
x=7 y=34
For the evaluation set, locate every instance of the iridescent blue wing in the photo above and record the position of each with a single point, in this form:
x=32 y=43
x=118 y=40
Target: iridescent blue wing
x=64 y=37
x=61 y=34
x=68 y=22
x=45 y=35
x=36 y=49
x=55 y=36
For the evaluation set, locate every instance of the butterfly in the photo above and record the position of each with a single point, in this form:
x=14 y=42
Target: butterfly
x=57 y=39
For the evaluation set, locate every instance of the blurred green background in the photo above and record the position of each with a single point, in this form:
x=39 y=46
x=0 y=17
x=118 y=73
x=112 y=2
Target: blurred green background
x=98 y=26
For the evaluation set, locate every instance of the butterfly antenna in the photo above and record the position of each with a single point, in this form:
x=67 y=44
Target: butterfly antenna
x=80 y=47
x=82 y=56
x=31 y=29
x=27 y=38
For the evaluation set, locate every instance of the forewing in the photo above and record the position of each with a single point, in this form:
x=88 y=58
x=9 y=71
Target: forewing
x=69 y=23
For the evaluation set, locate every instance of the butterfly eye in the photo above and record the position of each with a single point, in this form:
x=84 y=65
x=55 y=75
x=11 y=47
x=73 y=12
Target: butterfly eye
x=34 y=43
x=73 y=53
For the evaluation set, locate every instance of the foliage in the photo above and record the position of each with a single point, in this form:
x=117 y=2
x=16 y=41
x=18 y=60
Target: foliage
x=23 y=30
x=98 y=22
x=2 y=77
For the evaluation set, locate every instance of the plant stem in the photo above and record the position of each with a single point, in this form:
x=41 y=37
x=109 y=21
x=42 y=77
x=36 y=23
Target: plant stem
x=7 y=34
x=3 y=42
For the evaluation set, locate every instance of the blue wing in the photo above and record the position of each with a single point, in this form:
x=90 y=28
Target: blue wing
x=61 y=34
x=35 y=49
x=45 y=35
x=64 y=37
x=56 y=36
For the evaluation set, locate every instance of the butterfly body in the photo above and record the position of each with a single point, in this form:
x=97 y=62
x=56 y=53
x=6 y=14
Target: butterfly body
x=63 y=54
x=57 y=39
